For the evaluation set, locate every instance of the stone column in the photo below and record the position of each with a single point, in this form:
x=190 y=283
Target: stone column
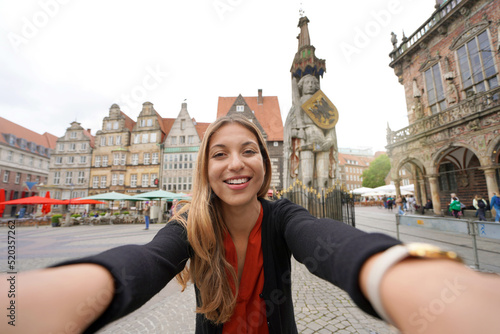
x=436 y=202
x=491 y=183
x=397 y=183
x=423 y=193
x=414 y=179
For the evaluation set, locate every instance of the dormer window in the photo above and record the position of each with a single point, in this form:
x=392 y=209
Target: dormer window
x=240 y=108
x=12 y=140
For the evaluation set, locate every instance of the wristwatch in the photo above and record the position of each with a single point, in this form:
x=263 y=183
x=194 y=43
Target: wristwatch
x=391 y=257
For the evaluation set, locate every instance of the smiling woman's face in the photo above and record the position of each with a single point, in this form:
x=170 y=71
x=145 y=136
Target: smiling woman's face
x=235 y=165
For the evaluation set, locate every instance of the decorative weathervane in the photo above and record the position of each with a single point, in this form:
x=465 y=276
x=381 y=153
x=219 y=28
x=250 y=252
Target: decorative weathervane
x=301 y=11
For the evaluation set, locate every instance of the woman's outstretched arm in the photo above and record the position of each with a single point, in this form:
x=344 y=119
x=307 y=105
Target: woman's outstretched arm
x=55 y=300
x=438 y=296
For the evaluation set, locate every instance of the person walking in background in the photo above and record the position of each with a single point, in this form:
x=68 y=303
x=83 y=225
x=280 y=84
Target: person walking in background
x=411 y=203
x=480 y=205
x=455 y=208
x=147 y=214
x=495 y=204
x=399 y=204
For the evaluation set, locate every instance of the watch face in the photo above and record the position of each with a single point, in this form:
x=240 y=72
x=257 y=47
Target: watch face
x=430 y=251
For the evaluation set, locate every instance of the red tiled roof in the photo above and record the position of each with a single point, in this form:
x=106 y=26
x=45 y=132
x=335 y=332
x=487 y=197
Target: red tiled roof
x=129 y=123
x=201 y=128
x=360 y=159
x=47 y=140
x=89 y=135
x=167 y=125
x=268 y=113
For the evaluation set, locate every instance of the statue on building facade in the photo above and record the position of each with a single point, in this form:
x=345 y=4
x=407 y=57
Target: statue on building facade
x=310 y=138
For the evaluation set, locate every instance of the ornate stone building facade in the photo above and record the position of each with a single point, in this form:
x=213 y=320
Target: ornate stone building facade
x=449 y=69
x=69 y=170
x=24 y=162
x=112 y=149
x=180 y=150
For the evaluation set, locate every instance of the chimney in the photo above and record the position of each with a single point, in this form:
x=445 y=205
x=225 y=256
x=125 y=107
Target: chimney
x=259 y=97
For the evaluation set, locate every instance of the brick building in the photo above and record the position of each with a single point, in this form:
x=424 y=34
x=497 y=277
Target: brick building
x=24 y=161
x=264 y=111
x=449 y=70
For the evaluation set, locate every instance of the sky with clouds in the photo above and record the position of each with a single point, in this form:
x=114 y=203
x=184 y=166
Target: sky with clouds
x=67 y=60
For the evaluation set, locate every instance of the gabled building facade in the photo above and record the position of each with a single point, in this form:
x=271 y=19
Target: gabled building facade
x=110 y=154
x=142 y=174
x=69 y=170
x=449 y=70
x=264 y=111
x=180 y=151
x=24 y=161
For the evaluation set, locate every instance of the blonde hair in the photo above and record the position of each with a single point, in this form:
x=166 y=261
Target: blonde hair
x=208 y=268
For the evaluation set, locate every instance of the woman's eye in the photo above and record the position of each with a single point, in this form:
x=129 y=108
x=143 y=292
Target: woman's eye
x=218 y=155
x=250 y=152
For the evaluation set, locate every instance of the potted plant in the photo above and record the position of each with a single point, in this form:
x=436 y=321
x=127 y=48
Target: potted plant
x=55 y=220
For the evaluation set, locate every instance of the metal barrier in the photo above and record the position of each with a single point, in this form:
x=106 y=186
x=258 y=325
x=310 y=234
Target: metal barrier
x=472 y=228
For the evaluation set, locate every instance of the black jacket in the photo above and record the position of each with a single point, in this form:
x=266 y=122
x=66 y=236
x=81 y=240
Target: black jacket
x=330 y=249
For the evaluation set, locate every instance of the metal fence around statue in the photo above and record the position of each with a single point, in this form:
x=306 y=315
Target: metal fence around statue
x=331 y=203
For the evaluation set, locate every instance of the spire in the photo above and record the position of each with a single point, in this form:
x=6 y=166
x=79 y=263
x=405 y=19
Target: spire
x=305 y=61
x=304 y=39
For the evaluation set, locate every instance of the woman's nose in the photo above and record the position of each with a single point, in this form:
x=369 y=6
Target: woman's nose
x=236 y=163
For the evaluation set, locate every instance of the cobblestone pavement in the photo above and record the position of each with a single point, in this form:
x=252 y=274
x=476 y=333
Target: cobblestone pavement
x=319 y=306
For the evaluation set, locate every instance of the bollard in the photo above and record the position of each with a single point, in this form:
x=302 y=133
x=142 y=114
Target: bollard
x=473 y=233
x=397 y=227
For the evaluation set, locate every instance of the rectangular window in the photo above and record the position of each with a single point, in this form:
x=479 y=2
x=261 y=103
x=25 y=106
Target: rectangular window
x=95 y=182
x=144 y=138
x=83 y=159
x=69 y=178
x=477 y=66
x=240 y=108
x=121 y=179
x=97 y=161
x=153 y=177
x=133 y=180
x=145 y=180
x=81 y=177
x=123 y=160
x=152 y=138
x=154 y=160
x=435 y=92
x=72 y=146
x=104 y=161
x=18 y=178
x=60 y=147
x=137 y=139
x=116 y=159
x=146 y=158
x=182 y=140
x=83 y=146
x=447 y=178
x=150 y=122
x=135 y=159
x=190 y=139
x=103 y=181
x=103 y=141
x=114 y=179
x=118 y=140
x=110 y=141
x=57 y=177
x=115 y=126
x=173 y=141
x=71 y=160
x=59 y=160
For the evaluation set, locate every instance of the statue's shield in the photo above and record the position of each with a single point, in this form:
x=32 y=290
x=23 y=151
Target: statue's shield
x=321 y=110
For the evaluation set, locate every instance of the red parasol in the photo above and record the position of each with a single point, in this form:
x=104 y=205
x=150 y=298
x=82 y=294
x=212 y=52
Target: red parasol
x=2 y=199
x=79 y=201
x=34 y=200
x=46 y=207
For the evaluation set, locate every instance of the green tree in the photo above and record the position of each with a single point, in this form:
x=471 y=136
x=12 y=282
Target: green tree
x=375 y=175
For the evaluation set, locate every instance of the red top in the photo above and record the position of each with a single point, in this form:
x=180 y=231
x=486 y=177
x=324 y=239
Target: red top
x=250 y=312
